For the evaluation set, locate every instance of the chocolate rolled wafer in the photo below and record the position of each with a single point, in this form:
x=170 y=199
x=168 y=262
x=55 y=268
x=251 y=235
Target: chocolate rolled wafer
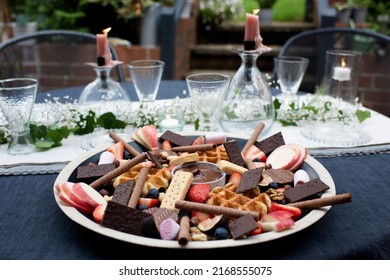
x=324 y=201
x=118 y=171
x=138 y=187
x=214 y=209
x=256 y=133
x=133 y=152
x=194 y=148
x=184 y=233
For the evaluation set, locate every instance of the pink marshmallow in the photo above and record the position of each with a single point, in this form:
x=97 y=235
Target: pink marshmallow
x=216 y=138
x=106 y=158
x=169 y=229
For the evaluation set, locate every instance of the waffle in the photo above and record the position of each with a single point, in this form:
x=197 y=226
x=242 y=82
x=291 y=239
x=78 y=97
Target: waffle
x=215 y=155
x=251 y=201
x=156 y=178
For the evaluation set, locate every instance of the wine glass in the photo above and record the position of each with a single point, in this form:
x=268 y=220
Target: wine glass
x=290 y=71
x=207 y=91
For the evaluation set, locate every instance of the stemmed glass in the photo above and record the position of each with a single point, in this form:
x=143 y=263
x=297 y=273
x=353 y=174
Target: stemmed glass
x=146 y=76
x=207 y=91
x=17 y=97
x=290 y=71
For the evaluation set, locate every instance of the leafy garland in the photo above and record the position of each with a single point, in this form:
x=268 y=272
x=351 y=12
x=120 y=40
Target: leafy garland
x=48 y=132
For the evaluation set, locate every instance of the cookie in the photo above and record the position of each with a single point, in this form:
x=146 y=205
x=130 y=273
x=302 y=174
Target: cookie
x=177 y=189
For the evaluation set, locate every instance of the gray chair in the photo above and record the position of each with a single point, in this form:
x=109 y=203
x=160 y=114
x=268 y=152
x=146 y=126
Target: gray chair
x=57 y=58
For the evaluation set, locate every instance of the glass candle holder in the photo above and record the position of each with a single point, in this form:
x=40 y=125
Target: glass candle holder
x=170 y=118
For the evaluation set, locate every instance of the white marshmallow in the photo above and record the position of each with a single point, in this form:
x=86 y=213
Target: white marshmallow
x=106 y=158
x=300 y=177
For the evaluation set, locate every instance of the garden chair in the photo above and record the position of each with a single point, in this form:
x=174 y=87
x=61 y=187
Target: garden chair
x=57 y=58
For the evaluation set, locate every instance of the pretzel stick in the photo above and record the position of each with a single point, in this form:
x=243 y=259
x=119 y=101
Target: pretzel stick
x=325 y=201
x=184 y=233
x=118 y=171
x=133 y=152
x=194 y=148
x=213 y=209
x=138 y=187
x=253 y=137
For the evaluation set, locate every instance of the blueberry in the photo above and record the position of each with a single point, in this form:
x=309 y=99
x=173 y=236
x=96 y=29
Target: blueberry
x=221 y=233
x=256 y=160
x=153 y=193
x=142 y=207
x=273 y=185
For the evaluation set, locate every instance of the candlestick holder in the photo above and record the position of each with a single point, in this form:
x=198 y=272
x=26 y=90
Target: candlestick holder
x=103 y=88
x=248 y=99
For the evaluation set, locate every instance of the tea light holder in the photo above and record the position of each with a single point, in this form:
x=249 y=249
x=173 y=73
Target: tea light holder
x=170 y=118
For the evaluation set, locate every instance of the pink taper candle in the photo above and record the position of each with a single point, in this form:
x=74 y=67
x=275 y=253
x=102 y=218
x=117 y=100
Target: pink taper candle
x=102 y=46
x=251 y=27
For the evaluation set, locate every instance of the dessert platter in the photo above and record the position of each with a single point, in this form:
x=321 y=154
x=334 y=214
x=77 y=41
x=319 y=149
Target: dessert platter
x=70 y=176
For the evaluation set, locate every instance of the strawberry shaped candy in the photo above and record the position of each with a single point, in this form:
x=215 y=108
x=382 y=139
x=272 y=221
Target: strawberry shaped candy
x=198 y=193
x=146 y=136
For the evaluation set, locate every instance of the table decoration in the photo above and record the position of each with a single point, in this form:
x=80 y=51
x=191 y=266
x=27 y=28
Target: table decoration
x=171 y=118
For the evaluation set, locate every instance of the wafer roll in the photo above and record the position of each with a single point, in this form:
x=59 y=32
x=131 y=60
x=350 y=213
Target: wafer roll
x=184 y=233
x=138 y=187
x=194 y=148
x=321 y=202
x=253 y=137
x=118 y=171
x=213 y=209
x=133 y=152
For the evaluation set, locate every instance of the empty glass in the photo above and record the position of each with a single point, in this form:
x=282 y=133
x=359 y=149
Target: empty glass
x=290 y=71
x=17 y=97
x=146 y=76
x=207 y=92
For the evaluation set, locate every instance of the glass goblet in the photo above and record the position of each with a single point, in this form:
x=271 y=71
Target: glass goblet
x=290 y=71
x=207 y=92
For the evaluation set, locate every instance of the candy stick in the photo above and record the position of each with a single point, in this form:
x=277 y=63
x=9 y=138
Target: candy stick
x=324 y=201
x=253 y=137
x=118 y=171
x=138 y=187
x=194 y=148
x=213 y=209
x=184 y=233
x=133 y=152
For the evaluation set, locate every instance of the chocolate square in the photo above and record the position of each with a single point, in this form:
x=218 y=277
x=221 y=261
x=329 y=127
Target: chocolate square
x=280 y=176
x=242 y=226
x=123 y=218
x=305 y=190
x=250 y=179
x=176 y=139
x=234 y=153
x=123 y=192
x=153 y=158
x=271 y=143
x=92 y=172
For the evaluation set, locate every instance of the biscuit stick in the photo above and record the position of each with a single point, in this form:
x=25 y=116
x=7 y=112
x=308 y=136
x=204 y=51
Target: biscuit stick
x=118 y=171
x=184 y=233
x=324 y=201
x=138 y=187
x=213 y=209
x=133 y=152
x=253 y=137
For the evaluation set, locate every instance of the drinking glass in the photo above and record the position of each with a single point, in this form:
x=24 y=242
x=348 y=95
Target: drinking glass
x=290 y=71
x=207 y=91
x=146 y=76
x=17 y=97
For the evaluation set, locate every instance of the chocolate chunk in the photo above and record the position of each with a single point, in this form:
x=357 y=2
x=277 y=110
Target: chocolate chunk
x=153 y=158
x=123 y=218
x=271 y=143
x=249 y=180
x=242 y=226
x=176 y=139
x=305 y=190
x=234 y=153
x=280 y=176
x=90 y=173
x=149 y=229
x=123 y=192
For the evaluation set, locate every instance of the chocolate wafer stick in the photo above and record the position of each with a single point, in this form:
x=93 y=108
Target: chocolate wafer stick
x=118 y=171
x=213 y=209
x=194 y=148
x=253 y=137
x=184 y=233
x=324 y=201
x=133 y=152
x=138 y=187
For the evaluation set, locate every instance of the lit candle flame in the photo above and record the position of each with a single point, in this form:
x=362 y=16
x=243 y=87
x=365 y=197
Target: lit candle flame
x=105 y=31
x=343 y=62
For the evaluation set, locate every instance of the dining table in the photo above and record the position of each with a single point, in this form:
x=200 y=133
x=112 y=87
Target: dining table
x=33 y=227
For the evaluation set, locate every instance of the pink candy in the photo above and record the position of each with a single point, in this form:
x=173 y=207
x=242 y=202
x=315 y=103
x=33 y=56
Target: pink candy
x=216 y=138
x=169 y=229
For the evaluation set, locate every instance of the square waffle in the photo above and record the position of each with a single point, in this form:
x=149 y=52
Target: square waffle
x=215 y=155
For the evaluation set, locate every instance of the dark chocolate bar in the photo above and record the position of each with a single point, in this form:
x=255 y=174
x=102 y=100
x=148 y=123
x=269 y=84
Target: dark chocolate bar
x=176 y=139
x=271 y=143
x=305 y=190
x=90 y=173
x=249 y=180
x=234 y=153
x=123 y=192
x=242 y=226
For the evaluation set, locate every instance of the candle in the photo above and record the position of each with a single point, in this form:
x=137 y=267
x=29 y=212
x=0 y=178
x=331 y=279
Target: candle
x=103 y=48
x=341 y=73
x=169 y=122
x=251 y=30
